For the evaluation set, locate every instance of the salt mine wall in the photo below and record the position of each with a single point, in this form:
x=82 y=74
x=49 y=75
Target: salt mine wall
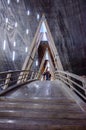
x=67 y=23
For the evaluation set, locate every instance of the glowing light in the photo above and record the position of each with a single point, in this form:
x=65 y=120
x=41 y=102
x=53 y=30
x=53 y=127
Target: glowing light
x=4 y=45
x=26 y=49
x=8 y=2
x=44 y=38
x=48 y=69
x=27 y=31
x=17 y=1
x=43 y=28
x=10 y=121
x=36 y=85
x=13 y=57
x=47 y=57
x=14 y=44
x=16 y=24
x=38 y=16
x=44 y=31
x=28 y=12
x=36 y=62
x=48 y=65
x=6 y=20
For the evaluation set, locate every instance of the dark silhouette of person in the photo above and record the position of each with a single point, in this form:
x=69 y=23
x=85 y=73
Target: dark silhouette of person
x=47 y=75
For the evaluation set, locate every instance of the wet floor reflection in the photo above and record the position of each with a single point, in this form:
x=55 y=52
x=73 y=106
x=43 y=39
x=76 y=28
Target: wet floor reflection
x=45 y=89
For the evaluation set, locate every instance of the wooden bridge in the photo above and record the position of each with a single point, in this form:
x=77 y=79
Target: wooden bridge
x=43 y=105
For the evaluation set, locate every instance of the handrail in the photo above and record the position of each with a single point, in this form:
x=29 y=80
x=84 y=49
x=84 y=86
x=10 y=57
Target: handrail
x=13 y=71
x=72 y=75
x=10 y=78
x=75 y=82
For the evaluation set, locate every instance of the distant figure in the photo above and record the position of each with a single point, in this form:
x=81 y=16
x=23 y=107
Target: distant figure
x=47 y=75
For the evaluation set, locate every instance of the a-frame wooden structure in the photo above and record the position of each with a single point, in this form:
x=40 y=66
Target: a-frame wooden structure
x=42 y=65
x=35 y=44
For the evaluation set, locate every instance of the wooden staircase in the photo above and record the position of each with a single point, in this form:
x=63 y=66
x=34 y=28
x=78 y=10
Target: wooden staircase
x=49 y=113
x=46 y=114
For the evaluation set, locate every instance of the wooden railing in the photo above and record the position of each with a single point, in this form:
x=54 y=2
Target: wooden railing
x=10 y=78
x=75 y=82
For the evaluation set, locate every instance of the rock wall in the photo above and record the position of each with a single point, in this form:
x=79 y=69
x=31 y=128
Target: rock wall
x=67 y=22
x=14 y=22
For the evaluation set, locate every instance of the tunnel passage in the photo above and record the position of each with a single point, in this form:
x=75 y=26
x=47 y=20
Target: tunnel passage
x=42 y=49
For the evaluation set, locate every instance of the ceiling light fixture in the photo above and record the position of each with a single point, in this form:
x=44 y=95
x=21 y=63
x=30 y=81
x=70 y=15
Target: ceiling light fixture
x=28 y=12
x=16 y=24
x=6 y=20
x=14 y=44
x=4 y=45
x=26 y=49
x=8 y=2
x=13 y=57
x=38 y=16
x=17 y=1
x=27 y=31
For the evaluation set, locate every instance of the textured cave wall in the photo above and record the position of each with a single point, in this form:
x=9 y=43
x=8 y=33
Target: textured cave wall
x=70 y=34
x=15 y=12
x=67 y=22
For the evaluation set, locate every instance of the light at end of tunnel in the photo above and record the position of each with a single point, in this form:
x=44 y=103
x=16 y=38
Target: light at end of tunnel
x=48 y=68
x=44 y=38
x=13 y=56
x=43 y=28
x=36 y=62
x=47 y=57
x=48 y=65
x=4 y=45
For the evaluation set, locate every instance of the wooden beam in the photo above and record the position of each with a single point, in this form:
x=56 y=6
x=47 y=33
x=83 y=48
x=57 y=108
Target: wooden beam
x=52 y=44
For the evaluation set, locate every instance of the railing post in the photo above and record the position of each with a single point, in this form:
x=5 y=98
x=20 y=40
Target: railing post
x=68 y=80
x=20 y=78
x=35 y=77
x=38 y=75
x=55 y=75
x=59 y=76
x=32 y=75
x=7 y=80
x=25 y=76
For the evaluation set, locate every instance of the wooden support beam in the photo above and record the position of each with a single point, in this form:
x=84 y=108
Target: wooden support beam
x=35 y=44
x=52 y=44
x=42 y=64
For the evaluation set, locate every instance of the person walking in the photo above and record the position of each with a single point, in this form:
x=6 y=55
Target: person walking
x=47 y=75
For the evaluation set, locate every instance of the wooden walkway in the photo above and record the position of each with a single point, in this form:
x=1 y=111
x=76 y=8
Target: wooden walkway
x=45 y=105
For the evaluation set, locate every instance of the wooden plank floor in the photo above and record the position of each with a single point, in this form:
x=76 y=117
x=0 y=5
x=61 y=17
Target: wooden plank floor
x=45 y=105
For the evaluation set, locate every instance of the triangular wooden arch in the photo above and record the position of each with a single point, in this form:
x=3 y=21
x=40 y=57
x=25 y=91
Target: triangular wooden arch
x=34 y=46
x=42 y=64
